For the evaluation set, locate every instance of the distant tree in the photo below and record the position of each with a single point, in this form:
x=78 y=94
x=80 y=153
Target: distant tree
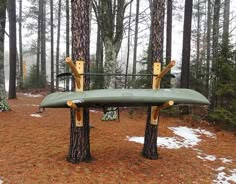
x=67 y=39
x=110 y=18
x=58 y=43
x=169 y=33
x=12 y=48
x=79 y=149
x=3 y=100
x=128 y=45
x=157 y=29
x=52 y=45
x=215 y=53
x=136 y=38
x=20 y=46
x=43 y=40
x=184 y=83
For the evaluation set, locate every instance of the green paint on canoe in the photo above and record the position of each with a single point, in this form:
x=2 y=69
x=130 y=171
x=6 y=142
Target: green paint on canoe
x=124 y=97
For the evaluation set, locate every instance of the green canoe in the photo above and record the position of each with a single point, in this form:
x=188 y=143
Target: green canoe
x=123 y=97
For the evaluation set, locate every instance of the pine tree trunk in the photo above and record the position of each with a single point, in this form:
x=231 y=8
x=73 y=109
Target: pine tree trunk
x=3 y=100
x=12 y=48
x=52 y=46
x=169 y=34
x=208 y=46
x=43 y=43
x=38 y=59
x=198 y=40
x=20 y=46
x=79 y=149
x=128 y=47
x=58 y=43
x=67 y=39
x=135 y=40
x=215 y=54
x=184 y=83
x=157 y=29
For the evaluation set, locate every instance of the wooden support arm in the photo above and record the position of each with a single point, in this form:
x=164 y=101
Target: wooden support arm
x=163 y=106
x=79 y=110
x=163 y=72
x=166 y=69
x=74 y=71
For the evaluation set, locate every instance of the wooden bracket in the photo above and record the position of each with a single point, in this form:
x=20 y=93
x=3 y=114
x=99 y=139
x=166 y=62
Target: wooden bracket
x=77 y=70
x=156 y=110
x=158 y=75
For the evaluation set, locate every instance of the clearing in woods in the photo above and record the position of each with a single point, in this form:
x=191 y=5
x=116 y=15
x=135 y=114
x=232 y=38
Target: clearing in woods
x=33 y=149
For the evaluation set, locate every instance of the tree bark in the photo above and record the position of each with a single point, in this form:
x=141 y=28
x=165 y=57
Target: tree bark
x=157 y=29
x=52 y=46
x=58 y=43
x=67 y=39
x=198 y=40
x=20 y=46
x=12 y=48
x=128 y=46
x=215 y=54
x=3 y=100
x=135 y=40
x=208 y=45
x=43 y=43
x=184 y=83
x=79 y=149
x=169 y=34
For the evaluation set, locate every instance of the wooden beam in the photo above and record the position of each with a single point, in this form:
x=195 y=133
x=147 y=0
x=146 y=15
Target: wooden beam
x=158 y=108
x=163 y=72
x=74 y=70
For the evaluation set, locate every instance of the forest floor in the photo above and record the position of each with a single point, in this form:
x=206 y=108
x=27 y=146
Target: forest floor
x=34 y=147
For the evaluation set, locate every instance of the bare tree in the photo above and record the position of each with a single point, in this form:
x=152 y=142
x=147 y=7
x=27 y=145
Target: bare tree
x=52 y=46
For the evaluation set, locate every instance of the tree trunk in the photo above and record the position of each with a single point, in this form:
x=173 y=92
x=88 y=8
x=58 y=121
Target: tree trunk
x=38 y=59
x=128 y=47
x=58 y=43
x=208 y=46
x=12 y=48
x=157 y=29
x=135 y=40
x=67 y=39
x=215 y=53
x=3 y=100
x=169 y=34
x=184 y=83
x=43 y=43
x=226 y=23
x=79 y=149
x=52 y=46
x=20 y=45
x=198 y=40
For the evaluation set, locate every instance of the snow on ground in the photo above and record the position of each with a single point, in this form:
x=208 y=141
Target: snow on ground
x=36 y=115
x=31 y=95
x=95 y=111
x=223 y=178
x=1 y=182
x=226 y=160
x=187 y=137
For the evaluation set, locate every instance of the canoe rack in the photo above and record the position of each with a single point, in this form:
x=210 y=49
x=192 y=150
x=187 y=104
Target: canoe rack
x=78 y=73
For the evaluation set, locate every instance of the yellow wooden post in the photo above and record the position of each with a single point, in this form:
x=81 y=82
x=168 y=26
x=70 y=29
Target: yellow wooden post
x=155 y=85
x=78 y=71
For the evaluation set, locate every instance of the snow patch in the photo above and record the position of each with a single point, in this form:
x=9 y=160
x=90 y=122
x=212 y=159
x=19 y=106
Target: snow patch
x=226 y=160
x=94 y=111
x=220 y=168
x=187 y=137
x=223 y=178
x=1 y=182
x=32 y=95
x=207 y=157
x=36 y=115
